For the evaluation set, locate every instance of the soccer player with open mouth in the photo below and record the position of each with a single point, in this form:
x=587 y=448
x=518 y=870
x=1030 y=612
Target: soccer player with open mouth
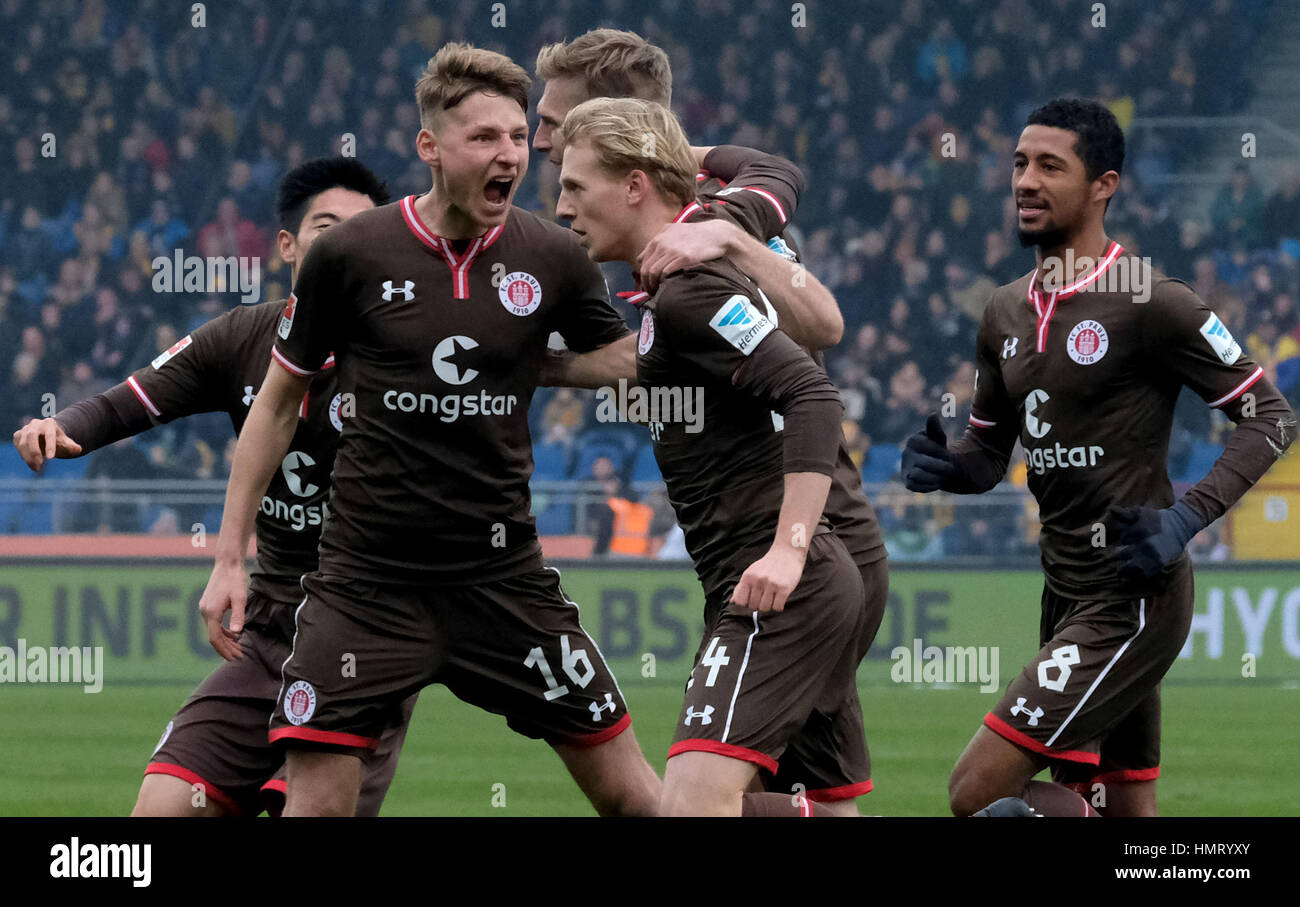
x=783 y=597
x=437 y=310
x=218 y=738
x=829 y=759
x=1082 y=360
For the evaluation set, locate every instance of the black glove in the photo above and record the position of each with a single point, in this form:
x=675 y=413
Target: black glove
x=1147 y=540
x=926 y=461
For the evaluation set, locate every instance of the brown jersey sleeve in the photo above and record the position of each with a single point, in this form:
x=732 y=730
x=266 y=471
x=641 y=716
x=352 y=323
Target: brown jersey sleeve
x=731 y=336
x=186 y=379
x=586 y=320
x=981 y=455
x=1191 y=345
x=315 y=320
x=763 y=191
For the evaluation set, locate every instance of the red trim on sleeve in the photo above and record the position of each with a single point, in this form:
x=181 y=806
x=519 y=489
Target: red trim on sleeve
x=780 y=212
x=142 y=396
x=1239 y=389
x=1128 y=774
x=1002 y=729
x=845 y=792
x=980 y=423
x=729 y=750
x=211 y=791
x=334 y=738
x=289 y=366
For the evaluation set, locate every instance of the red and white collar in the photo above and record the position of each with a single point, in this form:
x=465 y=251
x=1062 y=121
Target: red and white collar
x=459 y=264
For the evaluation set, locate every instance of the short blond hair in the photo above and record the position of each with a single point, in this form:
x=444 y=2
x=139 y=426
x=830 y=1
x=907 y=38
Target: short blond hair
x=459 y=70
x=610 y=64
x=631 y=134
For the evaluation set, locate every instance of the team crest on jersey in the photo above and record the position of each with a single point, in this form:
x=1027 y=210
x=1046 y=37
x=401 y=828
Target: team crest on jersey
x=646 y=338
x=1088 y=342
x=520 y=293
x=171 y=351
x=1220 y=340
x=299 y=702
x=286 y=320
x=336 y=419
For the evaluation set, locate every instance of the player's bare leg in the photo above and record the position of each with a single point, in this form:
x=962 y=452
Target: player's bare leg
x=168 y=796
x=615 y=776
x=322 y=784
x=992 y=767
x=705 y=784
x=1130 y=798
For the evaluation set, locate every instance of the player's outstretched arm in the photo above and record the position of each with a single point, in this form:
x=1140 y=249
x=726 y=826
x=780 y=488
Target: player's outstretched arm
x=266 y=437
x=602 y=367
x=181 y=381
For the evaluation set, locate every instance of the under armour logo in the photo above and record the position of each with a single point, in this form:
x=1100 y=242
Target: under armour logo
x=1009 y=347
x=1020 y=708
x=248 y=395
x=704 y=716
x=406 y=291
x=597 y=708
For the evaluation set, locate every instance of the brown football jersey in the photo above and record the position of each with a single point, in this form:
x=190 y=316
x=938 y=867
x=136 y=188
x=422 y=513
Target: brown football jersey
x=219 y=368
x=1087 y=378
x=765 y=178
x=442 y=343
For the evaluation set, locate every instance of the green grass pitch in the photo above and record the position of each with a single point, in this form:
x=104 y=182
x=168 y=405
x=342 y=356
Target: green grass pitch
x=1228 y=750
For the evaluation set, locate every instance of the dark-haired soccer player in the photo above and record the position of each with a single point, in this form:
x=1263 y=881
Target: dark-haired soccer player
x=740 y=186
x=438 y=310
x=218 y=738
x=784 y=600
x=1082 y=360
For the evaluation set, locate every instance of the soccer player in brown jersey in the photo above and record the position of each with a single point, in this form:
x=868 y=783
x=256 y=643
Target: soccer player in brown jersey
x=218 y=738
x=438 y=310
x=1082 y=360
x=830 y=761
x=784 y=600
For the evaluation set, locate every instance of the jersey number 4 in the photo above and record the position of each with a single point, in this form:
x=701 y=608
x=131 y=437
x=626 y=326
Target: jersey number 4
x=575 y=663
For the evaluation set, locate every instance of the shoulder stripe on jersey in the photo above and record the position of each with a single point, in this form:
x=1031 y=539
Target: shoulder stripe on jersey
x=142 y=396
x=1142 y=622
x=289 y=366
x=780 y=212
x=1239 y=389
x=980 y=423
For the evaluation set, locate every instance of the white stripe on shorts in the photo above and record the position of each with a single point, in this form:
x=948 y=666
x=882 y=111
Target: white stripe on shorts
x=1142 y=622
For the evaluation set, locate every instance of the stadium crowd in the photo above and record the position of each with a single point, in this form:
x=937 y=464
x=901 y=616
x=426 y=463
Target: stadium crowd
x=131 y=133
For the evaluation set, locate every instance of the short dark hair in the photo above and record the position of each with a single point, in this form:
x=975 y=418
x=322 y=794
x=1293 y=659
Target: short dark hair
x=310 y=178
x=1099 y=142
